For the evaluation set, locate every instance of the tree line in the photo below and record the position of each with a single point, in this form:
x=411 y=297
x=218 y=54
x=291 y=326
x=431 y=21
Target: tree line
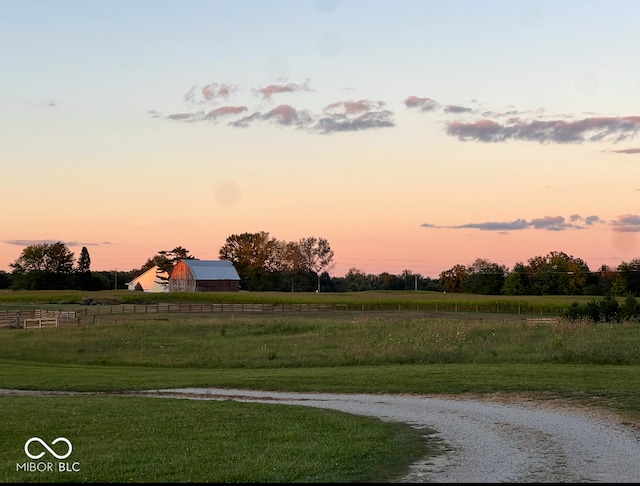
x=52 y=266
x=265 y=263
x=553 y=274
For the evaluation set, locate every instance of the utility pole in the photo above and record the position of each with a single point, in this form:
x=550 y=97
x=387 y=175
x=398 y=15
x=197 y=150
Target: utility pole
x=115 y=279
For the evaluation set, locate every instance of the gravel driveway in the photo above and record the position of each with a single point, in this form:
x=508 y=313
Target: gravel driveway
x=489 y=440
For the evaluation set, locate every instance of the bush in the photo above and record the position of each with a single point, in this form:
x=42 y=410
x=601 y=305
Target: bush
x=610 y=309
x=607 y=310
x=630 y=311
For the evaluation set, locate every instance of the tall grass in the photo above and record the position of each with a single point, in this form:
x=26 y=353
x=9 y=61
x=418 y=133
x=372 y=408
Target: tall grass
x=293 y=341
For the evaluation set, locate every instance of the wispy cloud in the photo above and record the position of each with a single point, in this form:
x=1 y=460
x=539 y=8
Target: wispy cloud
x=340 y=116
x=466 y=122
x=187 y=117
x=588 y=221
x=457 y=109
x=284 y=115
x=421 y=104
x=209 y=93
x=224 y=111
x=549 y=223
x=490 y=126
x=51 y=241
x=626 y=223
x=246 y=120
x=626 y=151
x=353 y=107
x=268 y=91
x=518 y=224
x=348 y=116
x=591 y=129
x=49 y=103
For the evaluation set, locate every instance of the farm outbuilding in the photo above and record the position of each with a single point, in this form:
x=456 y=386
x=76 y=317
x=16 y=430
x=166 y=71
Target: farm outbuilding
x=149 y=281
x=190 y=275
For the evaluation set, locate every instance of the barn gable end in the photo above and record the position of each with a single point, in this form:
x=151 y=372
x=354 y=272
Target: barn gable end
x=149 y=281
x=190 y=275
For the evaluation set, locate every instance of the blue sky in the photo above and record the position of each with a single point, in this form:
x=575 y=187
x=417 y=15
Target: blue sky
x=411 y=134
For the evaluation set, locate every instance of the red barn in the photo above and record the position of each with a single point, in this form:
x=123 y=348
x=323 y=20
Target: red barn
x=190 y=275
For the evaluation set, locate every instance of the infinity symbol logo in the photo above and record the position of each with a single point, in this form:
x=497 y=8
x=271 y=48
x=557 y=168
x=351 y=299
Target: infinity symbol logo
x=46 y=446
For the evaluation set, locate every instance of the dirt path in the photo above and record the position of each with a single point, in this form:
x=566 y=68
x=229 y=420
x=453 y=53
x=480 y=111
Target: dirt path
x=489 y=440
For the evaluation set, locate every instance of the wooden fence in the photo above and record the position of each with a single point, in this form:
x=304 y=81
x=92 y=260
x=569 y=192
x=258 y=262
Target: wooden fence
x=36 y=318
x=10 y=318
x=542 y=320
x=102 y=309
x=204 y=308
x=90 y=314
x=39 y=323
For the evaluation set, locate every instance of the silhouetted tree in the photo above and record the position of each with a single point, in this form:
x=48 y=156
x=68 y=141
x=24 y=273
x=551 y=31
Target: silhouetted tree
x=628 y=279
x=484 y=277
x=517 y=282
x=5 y=279
x=83 y=269
x=254 y=256
x=43 y=266
x=453 y=278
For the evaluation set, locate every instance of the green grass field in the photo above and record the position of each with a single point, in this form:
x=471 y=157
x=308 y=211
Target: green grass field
x=396 y=348
x=369 y=300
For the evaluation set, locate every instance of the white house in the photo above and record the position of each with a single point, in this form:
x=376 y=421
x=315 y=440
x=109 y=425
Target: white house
x=149 y=281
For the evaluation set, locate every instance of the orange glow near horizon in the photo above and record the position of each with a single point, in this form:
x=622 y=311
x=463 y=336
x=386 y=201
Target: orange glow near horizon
x=464 y=140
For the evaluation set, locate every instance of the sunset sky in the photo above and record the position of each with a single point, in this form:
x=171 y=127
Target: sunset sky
x=412 y=135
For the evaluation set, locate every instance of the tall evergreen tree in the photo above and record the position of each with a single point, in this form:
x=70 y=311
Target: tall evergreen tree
x=84 y=262
x=83 y=269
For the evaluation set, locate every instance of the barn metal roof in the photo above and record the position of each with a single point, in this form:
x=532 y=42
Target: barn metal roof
x=212 y=269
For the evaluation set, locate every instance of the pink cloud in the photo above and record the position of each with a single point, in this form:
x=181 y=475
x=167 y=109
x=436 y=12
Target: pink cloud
x=354 y=107
x=225 y=111
x=282 y=114
x=422 y=104
x=627 y=151
x=627 y=223
x=209 y=93
x=268 y=91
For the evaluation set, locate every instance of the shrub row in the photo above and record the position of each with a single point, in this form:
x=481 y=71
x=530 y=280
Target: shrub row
x=607 y=310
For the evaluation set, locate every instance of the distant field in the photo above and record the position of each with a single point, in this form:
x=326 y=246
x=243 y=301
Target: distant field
x=368 y=300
